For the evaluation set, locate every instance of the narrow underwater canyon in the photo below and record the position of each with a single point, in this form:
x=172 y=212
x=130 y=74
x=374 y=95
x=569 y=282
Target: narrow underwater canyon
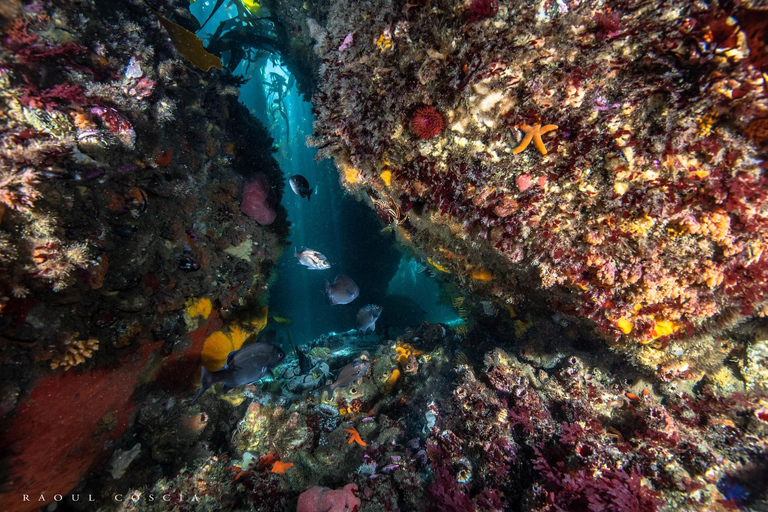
x=522 y=266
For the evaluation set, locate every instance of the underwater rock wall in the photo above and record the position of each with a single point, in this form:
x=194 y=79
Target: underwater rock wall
x=122 y=170
x=603 y=159
x=446 y=422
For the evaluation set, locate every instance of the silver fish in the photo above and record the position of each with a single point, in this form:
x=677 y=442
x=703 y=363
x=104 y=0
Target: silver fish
x=300 y=186
x=311 y=258
x=367 y=316
x=342 y=291
x=350 y=373
x=243 y=366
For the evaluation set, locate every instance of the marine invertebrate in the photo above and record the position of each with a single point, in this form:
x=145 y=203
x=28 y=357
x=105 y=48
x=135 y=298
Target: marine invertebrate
x=201 y=307
x=18 y=187
x=427 y=123
x=256 y=202
x=534 y=133
x=116 y=123
x=281 y=467
x=74 y=352
x=354 y=436
x=322 y=499
x=102 y=416
x=481 y=9
x=493 y=203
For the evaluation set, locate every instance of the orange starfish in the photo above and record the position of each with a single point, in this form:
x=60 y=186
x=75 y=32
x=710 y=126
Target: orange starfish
x=280 y=466
x=534 y=133
x=355 y=436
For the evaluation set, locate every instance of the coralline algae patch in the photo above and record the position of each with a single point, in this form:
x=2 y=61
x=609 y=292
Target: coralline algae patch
x=599 y=156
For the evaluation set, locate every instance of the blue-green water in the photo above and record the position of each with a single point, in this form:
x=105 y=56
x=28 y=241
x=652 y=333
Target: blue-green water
x=346 y=231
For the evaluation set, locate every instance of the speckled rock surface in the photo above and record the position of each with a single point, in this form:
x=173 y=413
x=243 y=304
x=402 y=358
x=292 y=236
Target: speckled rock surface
x=602 y=159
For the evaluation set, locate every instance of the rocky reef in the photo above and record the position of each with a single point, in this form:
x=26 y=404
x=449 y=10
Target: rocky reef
x=122 y=172
x=589 y=174
x=603 y=160
x=485 y=421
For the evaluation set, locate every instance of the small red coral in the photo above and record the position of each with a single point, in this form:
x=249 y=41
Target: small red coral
x=427 y=123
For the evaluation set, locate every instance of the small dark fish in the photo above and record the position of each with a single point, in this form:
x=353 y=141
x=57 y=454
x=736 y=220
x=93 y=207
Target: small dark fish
x=367 y=316
x=350 y=373
x=243 y=366
x=342 y=291
x=304 y=364
x=311 y=258
x=301 y=357
x=300 y=186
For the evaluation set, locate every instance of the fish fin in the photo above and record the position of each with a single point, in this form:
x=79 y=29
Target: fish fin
x=198 y=395
x=228 y=364
x=206 y=381
x=373 y=327
x=309 y=195
x=327 y=389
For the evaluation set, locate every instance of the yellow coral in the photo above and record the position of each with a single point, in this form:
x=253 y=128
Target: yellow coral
x=404 y=351
x=215 y=350
x=706 y=122
x=351 y=175
x=238 y=335
x=201 y=307
x=389 y=385
x=219 y=344
x=624 y=325
x=665 y=328
x=481 y=275
x=259 y=320
x=662 y=328
x=384 y=42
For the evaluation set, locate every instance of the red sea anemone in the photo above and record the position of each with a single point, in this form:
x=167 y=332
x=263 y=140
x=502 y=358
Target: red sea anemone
x=427 y=123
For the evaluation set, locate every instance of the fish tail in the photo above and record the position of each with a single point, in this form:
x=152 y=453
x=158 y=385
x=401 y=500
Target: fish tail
x=206 y=381
x=327 y=389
